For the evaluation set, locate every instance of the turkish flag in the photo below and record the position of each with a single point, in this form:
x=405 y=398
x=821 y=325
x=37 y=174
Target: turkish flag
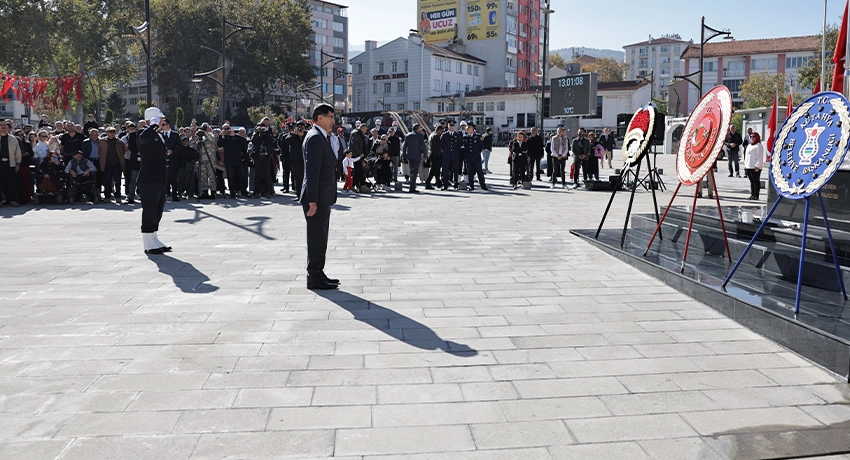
x=840 y=54
x=790 y=107
x=771 y=128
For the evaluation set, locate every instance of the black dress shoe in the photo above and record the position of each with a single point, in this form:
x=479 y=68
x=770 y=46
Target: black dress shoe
x=332 y=281
x=155 y=251
x=324 y=284
x=166 y=248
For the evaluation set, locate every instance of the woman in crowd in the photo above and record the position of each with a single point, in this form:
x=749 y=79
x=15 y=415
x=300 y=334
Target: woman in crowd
x=48 y=174
x=592 y=162
x=519 y=165
x=206 y=147
x=41 y=148
x=754 y=160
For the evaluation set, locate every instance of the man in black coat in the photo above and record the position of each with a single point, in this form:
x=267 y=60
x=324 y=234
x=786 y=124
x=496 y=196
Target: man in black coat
x=435 y=158
x=173 y=145
x=296 y=156
x=733 y=149
x=283 y=145
x=581 y=152
x=536 y=151
x=318 y=194
x=153 y=178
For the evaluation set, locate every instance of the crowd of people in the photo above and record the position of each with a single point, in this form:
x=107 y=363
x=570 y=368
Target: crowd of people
x=101 y=161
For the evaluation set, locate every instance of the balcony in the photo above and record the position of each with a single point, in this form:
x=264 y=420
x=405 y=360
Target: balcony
x=511 y=68
x=733 y=73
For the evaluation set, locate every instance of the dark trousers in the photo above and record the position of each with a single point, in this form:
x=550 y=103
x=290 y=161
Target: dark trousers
x=415 y=163
x=577 y=166
x=450 y=169
x=285 y=171
x=519 y=170
x=153 y=202
x=591 y=167
x=473 y=167
x=262 y=174
x=98 y=177
x=318 y=228
x=734 y=159
x=112 y=178
x=130 y=183
x=559 y=169
x=755 y=181
x=8 y=181
x=297 y=179
x=434 y=173
x=549 y=166
x=237 y=180
x=532 y=162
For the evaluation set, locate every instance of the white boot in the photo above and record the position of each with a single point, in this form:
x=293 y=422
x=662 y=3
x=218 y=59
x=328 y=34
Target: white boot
x=148 y=241
x=157 y=244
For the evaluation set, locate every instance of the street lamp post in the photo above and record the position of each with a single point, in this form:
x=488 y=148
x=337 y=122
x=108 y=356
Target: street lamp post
x=322 y=73
x=146 y=45
x=714 y=33
x=224 y=62
x=651 y=81
x=546 y=11
x=415 y=33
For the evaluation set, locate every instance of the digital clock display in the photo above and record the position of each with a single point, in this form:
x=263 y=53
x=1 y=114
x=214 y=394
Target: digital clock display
x=574 y=95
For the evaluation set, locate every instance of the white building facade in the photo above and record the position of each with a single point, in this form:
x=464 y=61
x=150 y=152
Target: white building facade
x=402 y=73
x=731 y=63
x=657 y=59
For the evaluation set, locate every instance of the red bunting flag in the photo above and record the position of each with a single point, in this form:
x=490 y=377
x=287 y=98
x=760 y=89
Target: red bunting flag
x=840 y=55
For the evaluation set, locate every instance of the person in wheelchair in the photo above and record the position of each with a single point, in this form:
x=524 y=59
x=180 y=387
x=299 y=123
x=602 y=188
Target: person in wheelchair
x=82 y=172
x=49 y=175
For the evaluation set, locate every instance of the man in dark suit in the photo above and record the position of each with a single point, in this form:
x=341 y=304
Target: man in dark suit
x=318 y=194
x=172 y=146
x=153 y=178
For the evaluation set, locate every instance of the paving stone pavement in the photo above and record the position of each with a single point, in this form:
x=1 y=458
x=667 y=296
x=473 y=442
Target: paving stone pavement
x=468 y=326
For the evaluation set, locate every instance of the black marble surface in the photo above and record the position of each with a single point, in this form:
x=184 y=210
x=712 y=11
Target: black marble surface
x=836 y=197
x=759 y=299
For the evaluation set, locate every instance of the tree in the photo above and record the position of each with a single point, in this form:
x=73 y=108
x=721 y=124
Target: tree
x=277 y=47
x=609 y=69
x=760 y=89
x=556 y=60
x=115 y=102
x=61 y=37
x=255 y=114
x=209 y=106
x=143 y=105
x=108 y=117
x=810 y=74
x=179 y=116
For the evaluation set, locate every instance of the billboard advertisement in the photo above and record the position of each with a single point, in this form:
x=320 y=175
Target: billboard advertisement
x=438 y=19
x=482 y=20
x=574 y=95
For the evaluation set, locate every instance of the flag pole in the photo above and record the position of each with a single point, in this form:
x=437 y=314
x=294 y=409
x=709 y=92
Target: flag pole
x=846 y=23
x=823 y=50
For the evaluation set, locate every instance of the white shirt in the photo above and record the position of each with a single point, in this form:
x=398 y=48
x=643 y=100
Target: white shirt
x=755 y=156
x=349 y=163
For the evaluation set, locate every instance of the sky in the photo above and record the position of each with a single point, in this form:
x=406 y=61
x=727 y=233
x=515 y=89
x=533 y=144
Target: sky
x=614 y=23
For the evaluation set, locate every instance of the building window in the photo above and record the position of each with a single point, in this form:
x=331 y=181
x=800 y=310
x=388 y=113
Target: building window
x=477 y=87
x=339 y=43
x=438 y=63
x=467 y=88
x=677 y=48
x=665 y=48
x=405 y=66
x=520 y=82
x=451 y=107
x=436 y=85
x=512 y=43
x=490 y=106
x=797 y=62
x=457 y=87
x=321 y=39
x=500 y=106
x=416 y=105
x=381 y=67
x=479 y=106
x=510 y=80
x=324 y=90
x=510 y=121
x=374 y=88
x=359 y=68
x=339 y=89
x=321 y=23
x=665 y=60
x=458 y=67
x=388 y=88
x=400 y=106
x=400 y=87
x=598 y=107
x=447 y=65
x=441 y=107
x=644 y=52
x=710 y=66
x=531 y=120
x=488 y=121
x=521 y=63
x=475 y=71
x=339 y=27
x=394 y=66
x=469 y=69
x=448 y=87
x=763 y=64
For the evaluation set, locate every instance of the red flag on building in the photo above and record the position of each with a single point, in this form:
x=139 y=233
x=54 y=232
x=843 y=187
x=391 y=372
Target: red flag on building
x=771 y=127
x=816 y=88
x=840 y=54
x=790 y=107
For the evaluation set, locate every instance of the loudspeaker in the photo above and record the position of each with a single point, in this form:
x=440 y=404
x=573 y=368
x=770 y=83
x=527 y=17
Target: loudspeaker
x=658 y=130
x=399 y=186
x=616 y=183
x=526 y=185
x=597 y=185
